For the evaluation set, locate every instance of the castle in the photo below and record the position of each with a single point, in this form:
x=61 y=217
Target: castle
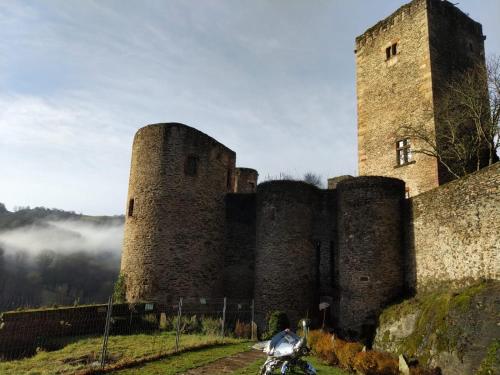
x=198 y=226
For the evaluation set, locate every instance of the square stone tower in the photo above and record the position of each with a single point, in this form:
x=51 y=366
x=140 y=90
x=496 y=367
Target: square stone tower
x=403 y=64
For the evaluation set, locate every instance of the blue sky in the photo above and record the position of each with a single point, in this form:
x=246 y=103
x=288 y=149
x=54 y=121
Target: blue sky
x=272 y=80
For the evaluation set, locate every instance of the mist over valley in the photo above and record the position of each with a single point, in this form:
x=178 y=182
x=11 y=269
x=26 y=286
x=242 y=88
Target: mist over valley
x=56 y=257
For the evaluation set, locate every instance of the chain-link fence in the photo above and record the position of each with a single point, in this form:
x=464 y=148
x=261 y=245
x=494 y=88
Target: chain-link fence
x=114 y=334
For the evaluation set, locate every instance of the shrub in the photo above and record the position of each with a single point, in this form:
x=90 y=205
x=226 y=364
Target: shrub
x=346 y=351
x=322 y=345
x=376 y=363
x=314 y=337
x=277 y=321
x=211 y=326
x=190 y=324
x=243 y=330
x=168 y=323
x=423 y=371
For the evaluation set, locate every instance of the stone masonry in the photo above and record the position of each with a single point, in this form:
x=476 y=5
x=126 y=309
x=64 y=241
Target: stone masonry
x=197 y=226
x=403 y=64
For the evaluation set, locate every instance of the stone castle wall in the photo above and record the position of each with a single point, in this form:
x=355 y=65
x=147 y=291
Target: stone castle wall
x=453 y=231
x=239 y=255
x=370 y=252
x=285 y=254
x=175 y=222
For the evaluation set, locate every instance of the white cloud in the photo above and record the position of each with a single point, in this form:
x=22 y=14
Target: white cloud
x=274 y=81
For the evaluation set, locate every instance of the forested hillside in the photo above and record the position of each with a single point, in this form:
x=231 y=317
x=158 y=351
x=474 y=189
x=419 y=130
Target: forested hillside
x=51 y=256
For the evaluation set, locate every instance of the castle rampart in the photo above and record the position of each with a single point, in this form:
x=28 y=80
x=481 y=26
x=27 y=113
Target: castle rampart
x=239 y=255
x=285 y=257
x=452 y=232
x=370 y=248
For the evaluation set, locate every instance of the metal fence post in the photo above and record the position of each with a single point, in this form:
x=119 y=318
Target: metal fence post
x=223 y=318
x=253 y=322
x=106 y=332
x=179 y=314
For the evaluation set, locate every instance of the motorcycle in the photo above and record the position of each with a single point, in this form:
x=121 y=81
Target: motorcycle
x=285 y=350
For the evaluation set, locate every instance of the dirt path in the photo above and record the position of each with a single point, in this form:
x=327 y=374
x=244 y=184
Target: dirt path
x=229 y=364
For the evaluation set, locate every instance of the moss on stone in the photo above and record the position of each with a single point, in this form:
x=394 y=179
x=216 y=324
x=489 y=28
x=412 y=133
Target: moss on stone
x=436 y=329
x=491 y=361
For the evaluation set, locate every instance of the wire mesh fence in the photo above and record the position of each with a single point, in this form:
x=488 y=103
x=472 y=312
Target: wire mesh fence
x=97 y=336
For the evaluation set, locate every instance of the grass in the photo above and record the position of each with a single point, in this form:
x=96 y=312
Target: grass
x=79 y=355
x=185 y=361
x=322 y=369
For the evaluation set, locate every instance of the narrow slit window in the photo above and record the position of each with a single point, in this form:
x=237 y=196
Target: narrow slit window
x=131 y=207
x=388 y=53
x=394 y=49
x=191 y=166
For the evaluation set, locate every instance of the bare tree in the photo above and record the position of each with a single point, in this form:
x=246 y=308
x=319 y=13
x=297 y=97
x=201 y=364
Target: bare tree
x=466 y=135
x=313 y=179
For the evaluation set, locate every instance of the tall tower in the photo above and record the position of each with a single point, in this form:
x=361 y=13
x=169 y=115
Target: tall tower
x=175 y=223
x=403 y=64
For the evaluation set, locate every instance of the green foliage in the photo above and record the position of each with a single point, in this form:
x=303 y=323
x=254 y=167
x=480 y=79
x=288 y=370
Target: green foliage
x=277 y=321
x=491 y=362
x=211 y=326
x=119 y=289
x=190 y=324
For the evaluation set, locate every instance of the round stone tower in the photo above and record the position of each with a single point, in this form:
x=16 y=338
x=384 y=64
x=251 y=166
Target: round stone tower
x=175 y=219
x=285 y=256
x=370 y=249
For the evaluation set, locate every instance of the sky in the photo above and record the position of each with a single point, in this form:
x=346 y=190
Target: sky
x=272 y=80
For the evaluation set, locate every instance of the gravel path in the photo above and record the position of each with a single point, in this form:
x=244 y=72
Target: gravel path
x=229 y=364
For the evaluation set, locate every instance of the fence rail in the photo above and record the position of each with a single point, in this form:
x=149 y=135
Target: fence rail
x=100 y=332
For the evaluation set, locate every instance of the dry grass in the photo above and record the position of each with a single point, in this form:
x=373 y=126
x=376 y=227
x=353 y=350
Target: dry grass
x=350 y=356
x=80 y=355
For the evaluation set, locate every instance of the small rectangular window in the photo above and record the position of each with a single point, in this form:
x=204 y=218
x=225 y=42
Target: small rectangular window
x=131 y=207
x=391 y=51
x=404 y=153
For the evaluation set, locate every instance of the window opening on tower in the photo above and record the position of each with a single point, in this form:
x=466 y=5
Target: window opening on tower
x=391 y=51
x=131 y=207
x=404 y=153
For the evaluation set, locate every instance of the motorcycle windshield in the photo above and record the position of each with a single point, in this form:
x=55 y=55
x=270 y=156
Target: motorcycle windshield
x=283 y=343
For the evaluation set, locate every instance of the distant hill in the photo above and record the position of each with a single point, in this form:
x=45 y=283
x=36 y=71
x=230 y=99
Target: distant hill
x=28 y=216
